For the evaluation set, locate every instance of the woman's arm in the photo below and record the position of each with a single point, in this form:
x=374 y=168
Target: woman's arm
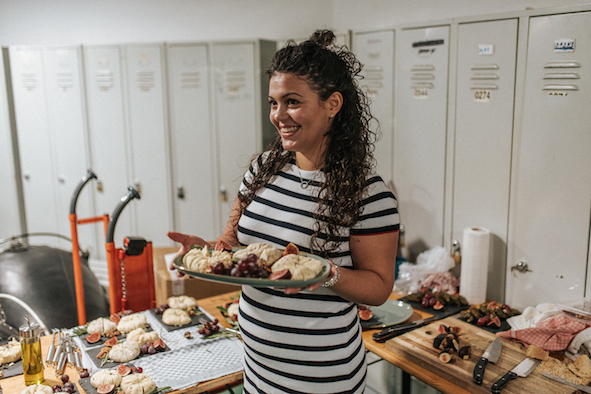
x=372 y=280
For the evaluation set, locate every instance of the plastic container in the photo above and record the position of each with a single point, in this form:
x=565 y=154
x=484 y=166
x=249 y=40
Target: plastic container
x=580 y=308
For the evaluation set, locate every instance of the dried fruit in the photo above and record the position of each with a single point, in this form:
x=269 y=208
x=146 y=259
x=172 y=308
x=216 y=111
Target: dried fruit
x=111 y=342
x=438 y=305
x=159 y=345
x=105 y=388
x=291 y=249
x=114 y=318
x=123 y=370
x=445 y=357
x=188 y=335
x=94 y=337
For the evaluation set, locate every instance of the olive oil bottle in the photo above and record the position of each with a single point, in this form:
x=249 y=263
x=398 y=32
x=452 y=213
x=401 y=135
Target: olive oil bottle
x=31 y=353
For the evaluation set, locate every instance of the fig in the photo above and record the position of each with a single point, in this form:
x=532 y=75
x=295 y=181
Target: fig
x=445 y=357
x=114 y=318
x=465 y=352
x=111 y=342
x=94 y=337
x=365 y=314
x=159 y=345
x=105 y=388
x=495 y=320
x=281 y=274
x=291 y=249
x=438 y=341
x=123 y=370
x=438 y=305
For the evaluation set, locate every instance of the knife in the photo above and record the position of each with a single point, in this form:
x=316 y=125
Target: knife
x=585 y=389
x=492 y=353
x=391 y=332
x=522 y=369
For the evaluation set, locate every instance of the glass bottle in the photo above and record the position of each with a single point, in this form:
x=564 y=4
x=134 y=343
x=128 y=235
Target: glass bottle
x=31 y=352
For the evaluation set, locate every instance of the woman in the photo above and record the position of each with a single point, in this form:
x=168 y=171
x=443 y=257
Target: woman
x=314 y=188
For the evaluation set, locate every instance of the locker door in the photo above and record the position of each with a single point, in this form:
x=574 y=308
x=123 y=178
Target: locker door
x=65 y=104
x=420 y=106
x=238 y=138
x=551 y=181
x=107 y=132
x=37 y=162
x=192 y=144
x=10 y=209
x=483 y=135
x=149 y=143
x=376 y=52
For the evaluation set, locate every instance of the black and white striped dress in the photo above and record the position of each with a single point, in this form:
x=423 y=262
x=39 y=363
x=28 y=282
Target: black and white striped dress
x=308 y=342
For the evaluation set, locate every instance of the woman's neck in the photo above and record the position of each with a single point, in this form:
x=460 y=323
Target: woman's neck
x=308 y=164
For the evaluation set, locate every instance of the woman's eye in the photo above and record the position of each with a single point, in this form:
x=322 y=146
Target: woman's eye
x=292 y=102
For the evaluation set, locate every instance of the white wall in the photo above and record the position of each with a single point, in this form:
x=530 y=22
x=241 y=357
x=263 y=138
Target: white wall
x=73 y=22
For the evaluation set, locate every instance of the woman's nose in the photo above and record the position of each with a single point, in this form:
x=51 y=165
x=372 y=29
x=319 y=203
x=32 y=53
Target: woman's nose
x=279 y=113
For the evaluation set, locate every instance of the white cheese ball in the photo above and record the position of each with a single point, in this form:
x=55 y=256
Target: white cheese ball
x=11 y=352
x=131 y=322
x=105 y=376
x=176 y=317
x=125 y=351
x=101 y=325
x=181 y=302
x=137 y=383
x=38 y=389
x=140 y=336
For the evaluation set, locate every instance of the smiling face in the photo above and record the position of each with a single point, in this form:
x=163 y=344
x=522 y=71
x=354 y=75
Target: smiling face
x=301 y=118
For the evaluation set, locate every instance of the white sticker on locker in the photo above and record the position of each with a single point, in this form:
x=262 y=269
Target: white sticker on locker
x=482 y=96
x=486 y=49
x=564 y=45
x=421 y=93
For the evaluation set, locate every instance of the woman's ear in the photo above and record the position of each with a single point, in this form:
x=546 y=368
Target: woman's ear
x=334 y=103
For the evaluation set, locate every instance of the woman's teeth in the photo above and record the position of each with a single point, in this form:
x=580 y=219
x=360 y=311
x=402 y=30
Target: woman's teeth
x=289 y=129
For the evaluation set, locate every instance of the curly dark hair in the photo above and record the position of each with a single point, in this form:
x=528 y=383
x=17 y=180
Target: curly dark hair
x=349 y=155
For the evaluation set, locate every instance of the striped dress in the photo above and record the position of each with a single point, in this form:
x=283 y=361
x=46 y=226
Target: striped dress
x=308 y=342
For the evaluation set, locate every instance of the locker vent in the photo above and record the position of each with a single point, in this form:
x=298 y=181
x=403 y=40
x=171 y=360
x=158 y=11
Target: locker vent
x=145 y=80
x=482 y=74
x=104 y=79
x=29 y=81
x=561 y=71
x=64 y=80
x=190 y=80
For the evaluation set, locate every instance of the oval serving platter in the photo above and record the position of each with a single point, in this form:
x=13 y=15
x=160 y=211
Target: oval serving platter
x=255 y=282
x=388 y=314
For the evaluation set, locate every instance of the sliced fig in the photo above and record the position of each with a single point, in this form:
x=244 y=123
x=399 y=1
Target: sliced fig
x=465 y=352
x=105 y=388
x=445 y=357
x=291 y=249
x=159 y=345
x=111 y=342
x=221 y=246
x=365 y=314
x=114 y=318
x=281 y=274
x=123 y=370
x=438 y=305
x=94 y=337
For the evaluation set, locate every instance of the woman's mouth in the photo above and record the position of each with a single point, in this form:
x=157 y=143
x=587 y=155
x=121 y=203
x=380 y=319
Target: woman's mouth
x=289 y=130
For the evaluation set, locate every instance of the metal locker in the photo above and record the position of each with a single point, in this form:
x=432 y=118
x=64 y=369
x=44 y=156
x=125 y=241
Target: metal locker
x=192 y=141
x=420 y=124
x=483 y=137
x=375 y=50
x=107 y=126
x=11 y=215
x=241 y=118
x=67 y=123
x=149 y=147
x=36 y=160
x=549 y=218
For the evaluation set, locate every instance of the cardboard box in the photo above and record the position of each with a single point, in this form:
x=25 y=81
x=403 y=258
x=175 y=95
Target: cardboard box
x=167 y=284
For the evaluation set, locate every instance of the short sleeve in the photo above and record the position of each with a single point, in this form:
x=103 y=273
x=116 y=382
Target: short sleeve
x=379 y=212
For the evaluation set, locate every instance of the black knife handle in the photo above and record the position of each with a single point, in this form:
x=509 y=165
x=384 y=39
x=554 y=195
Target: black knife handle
x=479 y=370
x=391 y=332
x=502 y=382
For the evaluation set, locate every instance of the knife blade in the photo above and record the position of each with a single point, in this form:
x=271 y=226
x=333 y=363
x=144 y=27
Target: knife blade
x=491 y=354
x=522 y=369
x=585 y=389
x=392 y=331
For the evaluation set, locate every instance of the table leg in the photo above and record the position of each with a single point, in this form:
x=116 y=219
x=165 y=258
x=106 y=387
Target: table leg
x=405 y=383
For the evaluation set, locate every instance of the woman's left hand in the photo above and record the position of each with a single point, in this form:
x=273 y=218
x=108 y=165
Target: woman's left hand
x=315 y=286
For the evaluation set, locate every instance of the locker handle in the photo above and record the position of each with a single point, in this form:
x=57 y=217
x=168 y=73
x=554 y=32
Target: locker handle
x=485 y=67
x=180 y=192
x=562 y=65
x=485 y=86
x=485 y=76
x=223 y=194
x=562 y=76
x=560 y=87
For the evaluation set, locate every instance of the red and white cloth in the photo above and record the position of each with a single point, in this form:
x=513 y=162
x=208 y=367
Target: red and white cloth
x=552 y=334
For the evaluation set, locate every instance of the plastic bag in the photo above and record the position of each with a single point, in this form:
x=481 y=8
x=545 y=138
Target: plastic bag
x=429 y=262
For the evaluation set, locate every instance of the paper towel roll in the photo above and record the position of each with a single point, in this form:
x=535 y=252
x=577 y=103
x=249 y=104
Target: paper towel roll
x=474 y=268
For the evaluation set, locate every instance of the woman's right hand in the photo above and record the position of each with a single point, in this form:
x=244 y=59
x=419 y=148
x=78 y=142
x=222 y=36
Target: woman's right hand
x=186 y=242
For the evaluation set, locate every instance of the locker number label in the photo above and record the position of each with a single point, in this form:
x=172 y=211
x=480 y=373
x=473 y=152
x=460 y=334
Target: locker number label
x=482 y=96
x=421 y=93
x=564 y=45
x=486 y=49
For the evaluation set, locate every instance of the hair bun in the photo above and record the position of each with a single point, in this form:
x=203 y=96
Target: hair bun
x=323 y=38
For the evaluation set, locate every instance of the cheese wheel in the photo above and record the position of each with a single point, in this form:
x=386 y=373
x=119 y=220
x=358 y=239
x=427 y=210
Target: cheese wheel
x=137 y=383
x=125 y=351
x=105 y=376
x=176 y=317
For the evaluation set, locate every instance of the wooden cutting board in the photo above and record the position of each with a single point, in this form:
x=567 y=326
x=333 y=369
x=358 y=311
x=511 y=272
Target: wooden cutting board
x=417 y=346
